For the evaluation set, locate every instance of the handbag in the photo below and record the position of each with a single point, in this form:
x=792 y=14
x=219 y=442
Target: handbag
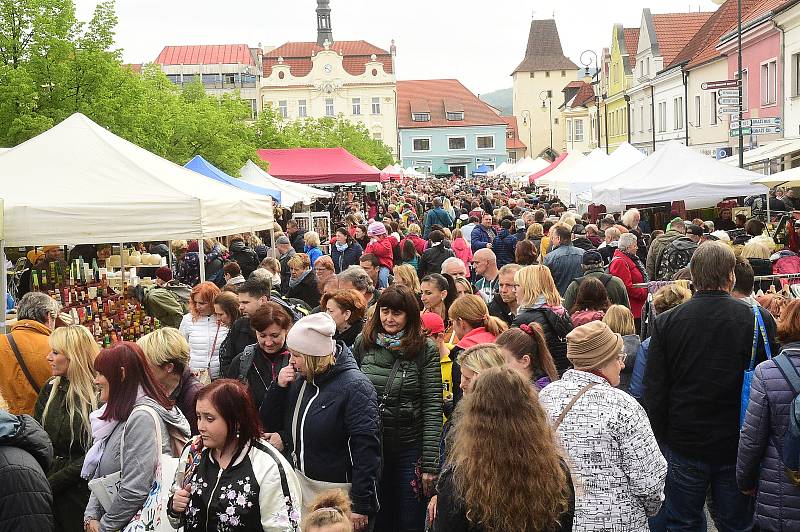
x=310 y=487
x=153 y=514
x=758 y=325
x=204 y=375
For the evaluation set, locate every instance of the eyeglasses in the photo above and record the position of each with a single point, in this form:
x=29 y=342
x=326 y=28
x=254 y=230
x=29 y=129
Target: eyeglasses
x=621 y=357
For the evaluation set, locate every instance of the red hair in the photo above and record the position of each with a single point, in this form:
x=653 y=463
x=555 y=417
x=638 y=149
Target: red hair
x=207 y=292
x=125 y=368
x=232 y=399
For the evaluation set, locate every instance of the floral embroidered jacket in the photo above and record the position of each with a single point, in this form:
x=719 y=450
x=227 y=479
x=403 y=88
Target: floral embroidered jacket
x=247 y=495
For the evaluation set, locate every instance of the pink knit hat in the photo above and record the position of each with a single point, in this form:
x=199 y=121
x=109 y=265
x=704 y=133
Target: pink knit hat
x=376 y=229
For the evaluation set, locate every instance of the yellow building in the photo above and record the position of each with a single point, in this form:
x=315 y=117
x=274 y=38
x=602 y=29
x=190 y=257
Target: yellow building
x=619 y=72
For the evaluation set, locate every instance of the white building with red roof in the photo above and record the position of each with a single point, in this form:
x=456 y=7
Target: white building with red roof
x=222 y=68
x=354 y=79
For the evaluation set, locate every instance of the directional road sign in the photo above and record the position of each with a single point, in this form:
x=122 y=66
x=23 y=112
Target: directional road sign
x=728 y=110
x=728 y=100
x=754 y=131
x=723 y=84
x=756 y=122
x=728 y=92
x=744 y=132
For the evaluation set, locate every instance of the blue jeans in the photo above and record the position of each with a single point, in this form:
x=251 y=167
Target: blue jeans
x=688 y=483
x=383 y=277
x=401 y=510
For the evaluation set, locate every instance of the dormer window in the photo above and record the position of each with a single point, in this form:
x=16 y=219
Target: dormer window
x=455 y=116
x=421 y=117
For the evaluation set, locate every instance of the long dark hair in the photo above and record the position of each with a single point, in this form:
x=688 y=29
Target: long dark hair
x=408 y=251
x=443 y=281
x=401 y=299
x=343 y=231
x=592 y=295
x=233 y=401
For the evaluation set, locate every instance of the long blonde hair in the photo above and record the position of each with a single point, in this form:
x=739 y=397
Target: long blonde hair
x=77 y=344
x=536 y=281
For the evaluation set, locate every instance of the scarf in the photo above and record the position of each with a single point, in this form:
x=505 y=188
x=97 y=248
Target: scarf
x=294 y=282
x=639 y=266
x=341 y=247
x=390 y=341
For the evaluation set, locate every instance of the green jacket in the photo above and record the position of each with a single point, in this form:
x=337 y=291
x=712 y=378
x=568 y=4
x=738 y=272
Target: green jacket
x=70 y=491
x=617 y=293
x=412 y=412
x=164 y=306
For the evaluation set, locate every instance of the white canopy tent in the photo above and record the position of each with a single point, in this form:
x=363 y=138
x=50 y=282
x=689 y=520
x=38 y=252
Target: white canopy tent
x=620 y=160
x=500 y=170
x=673 y=173
x=411 y=172
x=787 y=178
x=562 y=182
x=565 y=169
x=291 y=192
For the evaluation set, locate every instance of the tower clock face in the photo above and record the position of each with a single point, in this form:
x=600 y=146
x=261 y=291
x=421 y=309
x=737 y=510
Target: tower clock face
x=328 y=69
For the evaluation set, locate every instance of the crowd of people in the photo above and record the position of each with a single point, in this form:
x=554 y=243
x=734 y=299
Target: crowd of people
x=479 y=358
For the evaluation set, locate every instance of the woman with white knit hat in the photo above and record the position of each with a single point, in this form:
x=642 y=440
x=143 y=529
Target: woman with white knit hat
x=607 y=435
x=323 y=415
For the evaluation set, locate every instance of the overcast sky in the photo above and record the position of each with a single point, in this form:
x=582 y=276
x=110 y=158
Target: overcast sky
x=477 y=42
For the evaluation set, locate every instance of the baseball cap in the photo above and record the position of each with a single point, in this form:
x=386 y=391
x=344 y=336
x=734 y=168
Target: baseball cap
x=592 y=257
x=694 y=229
x=432 y=323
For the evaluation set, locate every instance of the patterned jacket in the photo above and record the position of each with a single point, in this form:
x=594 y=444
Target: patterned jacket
x=619 y=469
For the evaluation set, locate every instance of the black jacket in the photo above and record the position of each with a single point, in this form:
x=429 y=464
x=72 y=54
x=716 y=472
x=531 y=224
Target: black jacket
x=257 y=369
x=555 y=344
x=499 y=309
x=245 y=257
x=348 y=257
x=432 y=259
x=306 y=291
x=583 y=243
x=693 y=378
x=285 y=273
x=349 y=336
x=337 y=438
x=297 y=241
x=25 y=454
x=240 y=336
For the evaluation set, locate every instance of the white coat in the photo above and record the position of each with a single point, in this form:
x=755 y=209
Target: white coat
x=204 y=335
x=613 y=453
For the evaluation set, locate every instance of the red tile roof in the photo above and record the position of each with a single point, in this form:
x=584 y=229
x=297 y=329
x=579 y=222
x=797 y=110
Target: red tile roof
x=431 y=93
x=674 y=30
x=544 y=50
x=584 y=95
x=631 y=44
x=577 y=84
x=297 y=55
x=206 y=54
x=513 y=143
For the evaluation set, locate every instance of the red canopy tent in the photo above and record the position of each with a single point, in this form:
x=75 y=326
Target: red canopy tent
x=543 y=171
x=319 y=166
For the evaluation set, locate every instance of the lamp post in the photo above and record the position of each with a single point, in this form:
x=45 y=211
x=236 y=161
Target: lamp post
x=586 y=64
x=526 y=120
x=545 y=97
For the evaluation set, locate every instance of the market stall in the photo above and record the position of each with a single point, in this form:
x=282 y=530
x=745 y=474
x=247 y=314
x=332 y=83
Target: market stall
x=547 y=169
x=570 y=166
x=562 y=178
x=291 y=193
x=199 y=165
x=319 y=166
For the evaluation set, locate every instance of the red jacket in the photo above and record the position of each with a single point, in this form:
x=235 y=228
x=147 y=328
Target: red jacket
x=384 y=250
x=625 y=268
x=475 y=337
x=419 y=243
x=463 y=251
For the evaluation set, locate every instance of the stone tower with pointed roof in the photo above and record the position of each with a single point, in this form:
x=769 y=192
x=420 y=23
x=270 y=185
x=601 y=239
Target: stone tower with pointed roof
x=543 y=73
x=324 y=29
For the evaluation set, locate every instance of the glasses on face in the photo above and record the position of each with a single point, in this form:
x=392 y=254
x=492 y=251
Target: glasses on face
x=621 y=357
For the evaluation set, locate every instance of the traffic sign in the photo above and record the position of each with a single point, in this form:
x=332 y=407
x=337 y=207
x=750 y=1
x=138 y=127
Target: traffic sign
x=723 y=84
x=728 y=100
x=728 y=110
x=735 y=124
x=743 y=132
x=766 y=130
x=728 y=92
x=756 y=122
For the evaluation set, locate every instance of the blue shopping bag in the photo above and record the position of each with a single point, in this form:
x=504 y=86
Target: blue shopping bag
x=758 y=325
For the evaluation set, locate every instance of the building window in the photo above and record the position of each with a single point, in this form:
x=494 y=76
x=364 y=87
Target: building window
x=549 y=94
x=485 y=142
x=283 y=109
x=421 y=117
x=569 y=130
x=641 y=119
x=510 y=134
x=547 y=74
x=697 y=111
x=253 y=109
x=456 y=116
x=377 y=136
x=632 y=121
x=329 y=111
x=457 y=143
x=662 y=117
x=512 y=157
x=230 y=79
x=769 y=83
x=745 y=91
x=678 y=109
x=531 y=75
x=302 y=112
x=796 y=74
x=578 y=130
x=376 y=106
x=713 y=118
x=356 y=106
x=563 y=73
x=421 y=144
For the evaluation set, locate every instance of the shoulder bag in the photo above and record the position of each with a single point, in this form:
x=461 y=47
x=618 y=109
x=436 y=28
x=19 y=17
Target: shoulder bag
x=758 y=325
x=569 y=406
x=21 y=362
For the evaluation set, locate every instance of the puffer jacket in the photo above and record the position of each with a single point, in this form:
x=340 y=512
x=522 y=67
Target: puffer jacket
x=245 y=257
x=613 y=451
x=32 y=340
x=337 y=438
x=70 y=491
x=384 y=250
x=503 y=247
x=25 y=454
x=313 y=253
x=349 y=257
x=758 y=463
x=463 y=251
x=412 y=410
x=205 y=336
x=431 y=261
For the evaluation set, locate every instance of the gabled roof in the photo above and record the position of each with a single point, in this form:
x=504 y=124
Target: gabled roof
x=297 y=55
x=206 y=54
x=513 y=143
x=674 y=30
x=584 y=95
x=631 y=36
x=544 y=50
x=430 y=95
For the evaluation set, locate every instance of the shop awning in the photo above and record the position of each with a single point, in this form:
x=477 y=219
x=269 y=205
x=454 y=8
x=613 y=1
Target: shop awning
x=772 y=150
x=319 y=166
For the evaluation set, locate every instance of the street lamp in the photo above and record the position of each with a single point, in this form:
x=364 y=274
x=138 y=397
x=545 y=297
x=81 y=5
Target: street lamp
x=526 y=120
x=586 y=64
x=544 y=96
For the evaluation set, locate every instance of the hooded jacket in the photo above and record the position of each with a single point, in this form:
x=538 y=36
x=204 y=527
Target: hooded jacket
x=245 y=257
x=384 y=250
x=205 y=336
x=257 y=369
x=25 y=454
x=137 y=462
x=337 y=438
x=32 y=339
x=349 y=257
x=463 y=251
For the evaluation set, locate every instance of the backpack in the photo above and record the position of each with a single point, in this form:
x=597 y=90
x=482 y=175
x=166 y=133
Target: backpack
x=675 y=257
x=790 y=451
x=296 y=308
x=604 y=278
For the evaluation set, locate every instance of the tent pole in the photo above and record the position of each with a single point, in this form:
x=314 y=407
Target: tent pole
x=122 y=268
x=4 y=282
x=169 y=254
x=201 y=256
x=273 y=249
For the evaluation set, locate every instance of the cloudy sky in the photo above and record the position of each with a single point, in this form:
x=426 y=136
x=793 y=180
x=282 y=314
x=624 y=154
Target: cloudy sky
x=477 y=42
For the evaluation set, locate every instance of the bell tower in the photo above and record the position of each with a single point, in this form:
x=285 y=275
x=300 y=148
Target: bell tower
x=324 y=30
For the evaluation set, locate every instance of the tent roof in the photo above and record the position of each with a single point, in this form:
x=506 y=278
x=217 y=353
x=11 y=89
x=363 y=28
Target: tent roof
x=788 y=178
x=562 y=178
x=566 y=168
x=291 y=193
x=526 y=166
x=673 y=173
x=78 y=183
x=319 y=166
x=547 y=169
x=771 y=150
x=620 y=159
x=203 y=167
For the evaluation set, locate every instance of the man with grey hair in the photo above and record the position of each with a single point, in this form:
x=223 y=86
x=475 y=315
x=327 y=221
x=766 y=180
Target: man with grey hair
x=630 y=220
x=455 y=267
x=609 y=245
x=285 y=252
x=693 y=384
x=357 y=278
x=23 y=352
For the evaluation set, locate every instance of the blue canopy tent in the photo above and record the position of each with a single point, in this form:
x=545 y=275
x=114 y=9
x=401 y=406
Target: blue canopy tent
x=481 y=170
x=201 y=166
